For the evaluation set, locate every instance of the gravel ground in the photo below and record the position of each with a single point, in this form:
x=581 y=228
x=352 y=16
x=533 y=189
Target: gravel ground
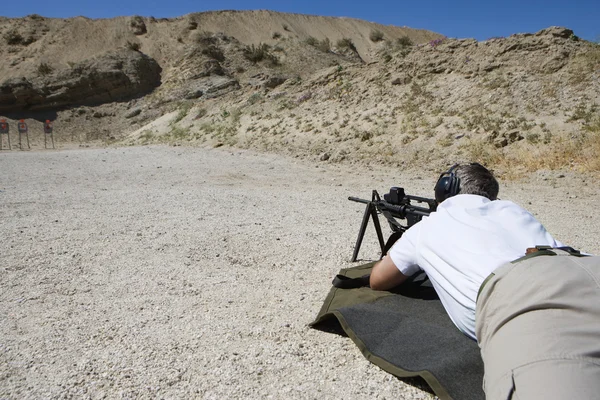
x=169 y=272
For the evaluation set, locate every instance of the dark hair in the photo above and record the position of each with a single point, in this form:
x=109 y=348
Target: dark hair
x=476 y=179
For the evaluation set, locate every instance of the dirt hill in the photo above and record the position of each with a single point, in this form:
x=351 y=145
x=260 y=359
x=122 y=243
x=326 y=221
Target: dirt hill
x=333 y=89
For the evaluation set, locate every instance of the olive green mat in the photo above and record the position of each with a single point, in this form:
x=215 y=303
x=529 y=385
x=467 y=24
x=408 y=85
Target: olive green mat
x=406 y=333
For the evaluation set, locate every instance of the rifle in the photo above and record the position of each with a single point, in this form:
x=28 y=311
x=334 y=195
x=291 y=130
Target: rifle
x=395 y=205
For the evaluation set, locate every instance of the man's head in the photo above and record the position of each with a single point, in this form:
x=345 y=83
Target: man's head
x=470 y=178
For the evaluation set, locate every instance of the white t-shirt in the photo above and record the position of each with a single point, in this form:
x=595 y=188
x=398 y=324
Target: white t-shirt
x=461 y=243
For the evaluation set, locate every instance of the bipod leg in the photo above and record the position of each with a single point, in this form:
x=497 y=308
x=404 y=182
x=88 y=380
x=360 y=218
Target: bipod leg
x=363 y=227
x=27 y=136
x=8 y=136
x=378 y=230
x=52 y=136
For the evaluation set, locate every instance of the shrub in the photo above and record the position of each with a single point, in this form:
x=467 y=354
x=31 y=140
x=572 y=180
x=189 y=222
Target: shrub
x=135 y=46
x=404 y=41
x=214 y=52
x=324 y=45
x=276 y=35
x=205 y=37
x=13 y=37
x=436 y=42
x=44 y=69
x=376 y=35
x=312 y=41
x=138 y=25
x=259 y=53
x=255 y=98
x=286 y=28
x=321 y=45
x=201 y=113
x=184 y=109
x=346 y=43
x=256 y=53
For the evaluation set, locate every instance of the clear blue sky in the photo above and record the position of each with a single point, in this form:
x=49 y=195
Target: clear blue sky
x=479 y=19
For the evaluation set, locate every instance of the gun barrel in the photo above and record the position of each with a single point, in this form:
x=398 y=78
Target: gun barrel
x=420 y=211
x=405 y=209
x=356 y=199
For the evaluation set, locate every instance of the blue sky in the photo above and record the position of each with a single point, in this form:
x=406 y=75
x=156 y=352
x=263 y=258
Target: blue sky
x=461 y=19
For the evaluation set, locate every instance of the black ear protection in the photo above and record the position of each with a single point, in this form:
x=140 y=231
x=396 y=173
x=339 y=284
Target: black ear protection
x=448 y=185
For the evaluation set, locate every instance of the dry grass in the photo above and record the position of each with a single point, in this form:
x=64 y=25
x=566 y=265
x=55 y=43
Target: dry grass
x=575 y=153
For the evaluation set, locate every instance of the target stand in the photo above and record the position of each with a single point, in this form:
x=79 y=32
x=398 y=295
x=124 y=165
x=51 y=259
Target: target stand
x=4 y=130
x=48 y=130
x=23 y=130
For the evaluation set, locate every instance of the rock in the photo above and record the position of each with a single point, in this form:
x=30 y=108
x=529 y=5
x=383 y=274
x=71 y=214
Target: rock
x=207 y=87
x=403 y=79
x=555 y=62
x=115 y=76
x=556 y=31
x=133 y=113
x=263 y=80
x=193 y=94
x=274 y=81
x=514 y=136
x=504 y=139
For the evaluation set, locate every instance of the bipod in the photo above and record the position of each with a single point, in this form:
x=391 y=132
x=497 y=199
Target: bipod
x=370 y=212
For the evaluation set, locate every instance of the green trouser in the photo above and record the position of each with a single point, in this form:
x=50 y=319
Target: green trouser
x=538 y=327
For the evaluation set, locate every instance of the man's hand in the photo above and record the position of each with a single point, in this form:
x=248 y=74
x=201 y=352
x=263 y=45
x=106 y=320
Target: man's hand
x=385 y=275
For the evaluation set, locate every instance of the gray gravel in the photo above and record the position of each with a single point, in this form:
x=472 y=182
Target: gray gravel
x=168 y=272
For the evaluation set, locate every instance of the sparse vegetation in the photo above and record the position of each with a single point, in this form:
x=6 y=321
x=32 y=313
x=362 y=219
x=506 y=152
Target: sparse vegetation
x=346 y=43
x=456 y=97
x=146 y=136
x=184 y=109
x=589 y=115
x=135 y=46
x=137 y=25
x=13 y=37
x=376 y=35
x=404 y=41
x=255 y=98
x=201 y=113
x=205 y=37
x=44 y=69
x=214 y=52
x=322 y=45
x=178 y=133
x=259 y=53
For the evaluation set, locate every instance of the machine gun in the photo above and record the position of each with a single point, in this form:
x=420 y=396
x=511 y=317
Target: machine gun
x=395 y=205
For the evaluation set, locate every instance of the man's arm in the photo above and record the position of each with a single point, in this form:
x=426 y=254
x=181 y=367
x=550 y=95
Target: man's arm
x=385 y=275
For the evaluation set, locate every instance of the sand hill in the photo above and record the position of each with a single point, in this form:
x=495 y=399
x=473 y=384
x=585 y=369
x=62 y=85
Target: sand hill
x=330 y=89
